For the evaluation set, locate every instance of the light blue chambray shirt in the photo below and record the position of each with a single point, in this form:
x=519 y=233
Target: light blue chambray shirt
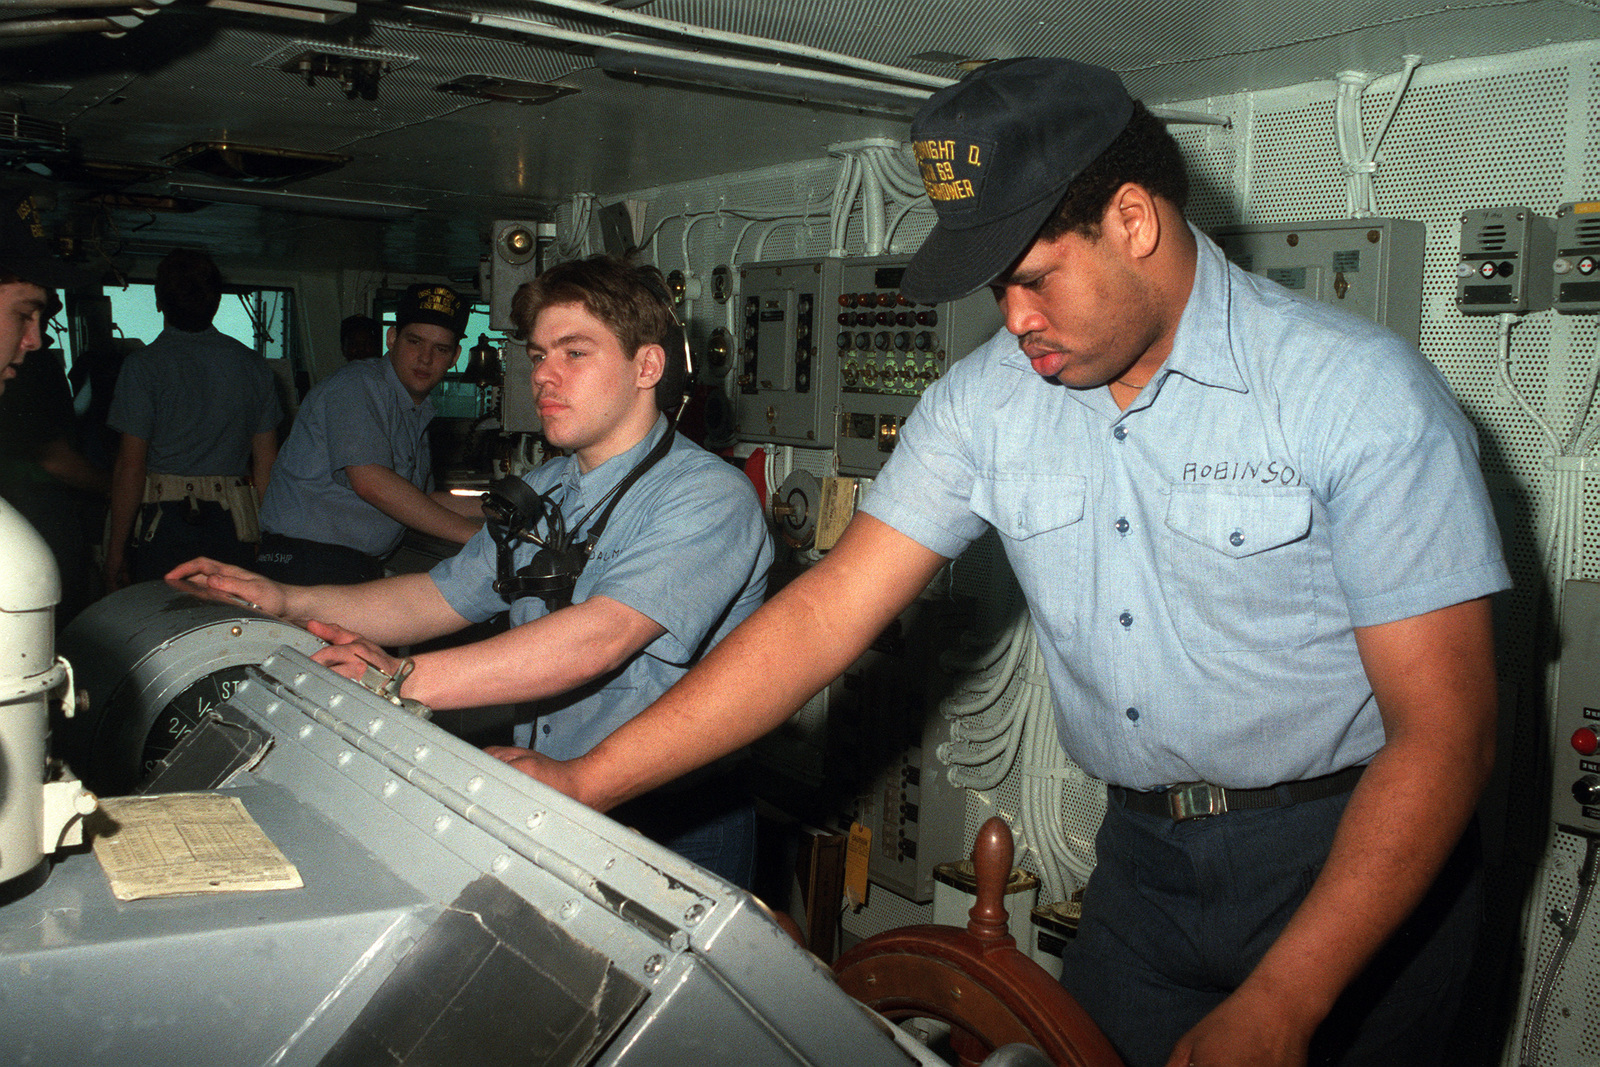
x=687 y=546
x=1195 y=565
x=198 y=398
x=358 y=415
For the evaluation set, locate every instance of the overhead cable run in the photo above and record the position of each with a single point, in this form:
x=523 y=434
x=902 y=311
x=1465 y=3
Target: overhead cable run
x=115 y=20
x=888 y=87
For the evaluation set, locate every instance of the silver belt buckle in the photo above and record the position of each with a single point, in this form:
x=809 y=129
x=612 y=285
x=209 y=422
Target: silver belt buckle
x=1195 y=800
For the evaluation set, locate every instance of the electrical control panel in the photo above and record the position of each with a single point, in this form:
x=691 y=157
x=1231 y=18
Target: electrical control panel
x=1576 y=266
x=1372 y=267
x=832 y=355
x=1505 y=257
x=914 y=812
x=867 y=752
x=886 y=364
x=1575 y=733
x=782 y=390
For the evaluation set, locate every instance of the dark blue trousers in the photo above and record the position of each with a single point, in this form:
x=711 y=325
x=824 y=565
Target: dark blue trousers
x=182 y=533
x=1177 y=914
x=711 y=821
x=300 y=562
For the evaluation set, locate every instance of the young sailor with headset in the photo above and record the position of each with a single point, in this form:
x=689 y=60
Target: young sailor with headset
x=622 y=562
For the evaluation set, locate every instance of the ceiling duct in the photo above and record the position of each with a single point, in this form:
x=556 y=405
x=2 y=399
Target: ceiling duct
x=762 y=77
x=295 y=203
x=21 y=133
x=505 y=90
x=696 y=55
x=253 y=165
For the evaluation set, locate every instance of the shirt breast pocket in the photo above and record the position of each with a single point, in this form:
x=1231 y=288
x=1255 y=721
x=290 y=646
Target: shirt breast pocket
x=1238 y=567
x=1040 y=521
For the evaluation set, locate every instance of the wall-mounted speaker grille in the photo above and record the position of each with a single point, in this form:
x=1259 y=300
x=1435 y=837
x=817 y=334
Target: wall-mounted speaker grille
x=1490 y=239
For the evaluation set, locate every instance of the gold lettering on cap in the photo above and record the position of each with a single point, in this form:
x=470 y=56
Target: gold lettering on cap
x=29 y=213
x=933 y=149
x=972 y=155
x=957 y=190
x=439 y=300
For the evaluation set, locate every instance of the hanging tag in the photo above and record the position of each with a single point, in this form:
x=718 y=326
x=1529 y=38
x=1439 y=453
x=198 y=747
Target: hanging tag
x=838 y=507
x=857 y=855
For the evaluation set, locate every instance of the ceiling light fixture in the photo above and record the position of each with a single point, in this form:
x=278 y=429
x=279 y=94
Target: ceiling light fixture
x=297 y=203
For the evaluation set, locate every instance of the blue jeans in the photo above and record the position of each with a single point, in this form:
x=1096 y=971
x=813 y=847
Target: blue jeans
x=1177 y=914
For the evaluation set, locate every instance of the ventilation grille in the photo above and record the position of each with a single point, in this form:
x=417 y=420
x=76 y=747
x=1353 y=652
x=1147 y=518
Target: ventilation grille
x=1490 y=239
x=1588 y=232
x=23 y=131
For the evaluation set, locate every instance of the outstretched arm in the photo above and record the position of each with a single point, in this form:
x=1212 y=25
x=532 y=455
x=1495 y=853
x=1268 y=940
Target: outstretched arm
x=1434 y=681
x=540 y=658
x=400 y=610
x=406 y=504
x=754 y=679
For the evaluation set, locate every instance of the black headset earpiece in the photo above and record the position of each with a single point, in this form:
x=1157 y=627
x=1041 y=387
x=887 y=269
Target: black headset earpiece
x=513 y=507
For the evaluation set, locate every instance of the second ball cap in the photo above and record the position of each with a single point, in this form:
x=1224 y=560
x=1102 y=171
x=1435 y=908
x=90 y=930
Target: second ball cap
x=439 y=305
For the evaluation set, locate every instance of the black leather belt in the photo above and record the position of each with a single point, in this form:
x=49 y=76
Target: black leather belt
x=1196 y=800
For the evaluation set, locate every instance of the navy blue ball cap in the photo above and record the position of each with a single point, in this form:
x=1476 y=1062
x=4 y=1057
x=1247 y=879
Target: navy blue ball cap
x=439 y=305
x=997 y=151
x=25 y=250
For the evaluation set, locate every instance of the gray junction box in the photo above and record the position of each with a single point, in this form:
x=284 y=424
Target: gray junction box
x=1576 y=266
x=1371 y=267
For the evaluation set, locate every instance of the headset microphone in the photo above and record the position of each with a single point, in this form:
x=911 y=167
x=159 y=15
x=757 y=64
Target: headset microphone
x=514 y=512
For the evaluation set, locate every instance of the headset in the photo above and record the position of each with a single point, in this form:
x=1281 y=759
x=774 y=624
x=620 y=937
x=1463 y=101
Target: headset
x=514 y=512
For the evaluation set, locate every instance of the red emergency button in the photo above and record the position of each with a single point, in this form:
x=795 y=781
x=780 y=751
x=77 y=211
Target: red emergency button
x=1585 y=740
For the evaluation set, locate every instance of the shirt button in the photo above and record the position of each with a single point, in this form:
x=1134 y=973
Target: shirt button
x=1121 y=526
x=1132 y=714
x=1120 y=433
x=547 y=729
x=1236 y=538
x=1126 y=619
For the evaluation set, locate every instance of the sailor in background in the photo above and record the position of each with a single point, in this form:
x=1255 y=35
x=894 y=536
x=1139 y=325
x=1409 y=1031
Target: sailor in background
x=357 y=471
x=360 y=338
x=42 y=473
x=198 y=412
x=27 y=272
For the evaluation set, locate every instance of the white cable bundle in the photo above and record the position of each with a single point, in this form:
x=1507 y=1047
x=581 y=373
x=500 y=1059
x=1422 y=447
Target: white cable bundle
x=1007 y=678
